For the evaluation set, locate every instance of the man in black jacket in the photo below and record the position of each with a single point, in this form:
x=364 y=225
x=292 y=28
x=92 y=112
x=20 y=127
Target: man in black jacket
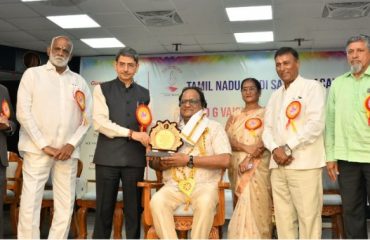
x=120 y=150
x=7 y=127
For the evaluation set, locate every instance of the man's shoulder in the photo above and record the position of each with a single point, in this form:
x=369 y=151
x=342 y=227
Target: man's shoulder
x=36 y=68
x=107 y=84
x=341 y=78
x=141 y=88
x=214 y=125
x=307 y=83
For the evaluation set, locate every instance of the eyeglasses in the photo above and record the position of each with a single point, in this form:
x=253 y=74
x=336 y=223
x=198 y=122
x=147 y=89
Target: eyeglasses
x=250 y=89
x=192 y=102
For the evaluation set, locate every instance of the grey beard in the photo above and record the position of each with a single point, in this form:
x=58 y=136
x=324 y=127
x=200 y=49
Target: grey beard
x=356 y=68
x=58 y=61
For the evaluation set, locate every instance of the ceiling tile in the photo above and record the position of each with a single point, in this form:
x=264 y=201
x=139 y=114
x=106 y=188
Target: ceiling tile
x=52 y=8
x=117 y=20
x=40 y=23
x=18 y=36
x=103 y=7
x=214 y=38
x=8 y=11
x=5 y=26
x=89 y=33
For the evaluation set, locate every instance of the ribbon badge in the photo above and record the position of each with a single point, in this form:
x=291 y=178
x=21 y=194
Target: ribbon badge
x=143 y=116
x=80 y=100
x=367 y=107
x=252 y=124
x=5 y=109
x=292 y=112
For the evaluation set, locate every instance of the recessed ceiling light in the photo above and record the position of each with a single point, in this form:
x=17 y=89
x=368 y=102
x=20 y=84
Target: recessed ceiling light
x=74 y=21
x=254 y=37
x=103 y=42
x=252 y=13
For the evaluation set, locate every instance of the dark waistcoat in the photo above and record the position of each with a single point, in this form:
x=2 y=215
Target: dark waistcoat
x=122 y=103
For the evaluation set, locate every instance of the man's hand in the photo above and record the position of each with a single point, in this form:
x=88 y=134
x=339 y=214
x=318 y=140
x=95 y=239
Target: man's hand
x=332 y=168
x=50 y=151
x=4 y=122
x=157 y=164
x=141 y=137
x=281 y=158
x=65 y=152
x=175 y=160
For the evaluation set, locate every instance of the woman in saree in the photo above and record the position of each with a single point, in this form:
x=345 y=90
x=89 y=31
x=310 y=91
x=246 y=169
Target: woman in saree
x=249 y=169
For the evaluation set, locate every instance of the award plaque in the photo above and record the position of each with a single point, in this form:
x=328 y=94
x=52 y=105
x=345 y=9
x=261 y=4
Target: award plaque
x=164 y=139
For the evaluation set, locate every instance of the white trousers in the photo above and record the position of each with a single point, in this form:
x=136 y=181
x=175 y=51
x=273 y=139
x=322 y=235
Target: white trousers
x=36 y=170
x=297 y=196
x=204 y=200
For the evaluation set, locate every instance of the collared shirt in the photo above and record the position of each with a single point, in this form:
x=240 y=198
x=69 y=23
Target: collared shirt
x=304 y=133
x=47 y=110
x=216 y=142
x=347 y=134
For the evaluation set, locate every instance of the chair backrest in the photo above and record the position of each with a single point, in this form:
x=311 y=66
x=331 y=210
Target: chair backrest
x=327 y=183
x=13 y=171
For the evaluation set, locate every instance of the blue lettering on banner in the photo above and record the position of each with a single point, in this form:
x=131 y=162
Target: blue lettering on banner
x=326 y=82
x=275 y=83
x=233 y=85
x=204 y=85
x=264 y=84
x=227 y=85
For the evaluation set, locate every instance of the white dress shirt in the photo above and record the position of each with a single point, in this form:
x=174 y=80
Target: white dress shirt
x=307 y=141
x=102 y=123
x=48 y=112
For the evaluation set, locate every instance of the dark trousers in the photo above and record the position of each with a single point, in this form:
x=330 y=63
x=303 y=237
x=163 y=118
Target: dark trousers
x=354 y=183
x=107 y=184
x=2 y=195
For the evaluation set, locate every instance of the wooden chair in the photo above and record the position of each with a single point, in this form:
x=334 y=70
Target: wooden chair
x=332 y=205
x=183 y=221
x=86 y=199
x=13 y=188
x=47 y=204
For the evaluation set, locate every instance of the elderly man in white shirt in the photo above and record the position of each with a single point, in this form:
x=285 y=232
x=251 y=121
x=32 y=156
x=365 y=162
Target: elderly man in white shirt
x=199 y=162
x=54 y=110
x=293 y=132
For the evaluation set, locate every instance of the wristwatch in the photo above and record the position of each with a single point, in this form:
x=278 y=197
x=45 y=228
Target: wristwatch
x=287 y=150
x=190 y=163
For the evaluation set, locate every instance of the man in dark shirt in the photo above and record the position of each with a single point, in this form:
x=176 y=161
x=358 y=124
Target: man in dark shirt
x=7 y=127
x=120 y=150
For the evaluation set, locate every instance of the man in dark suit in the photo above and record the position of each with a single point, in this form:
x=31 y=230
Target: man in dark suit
x=7 y=127
x=120 y=150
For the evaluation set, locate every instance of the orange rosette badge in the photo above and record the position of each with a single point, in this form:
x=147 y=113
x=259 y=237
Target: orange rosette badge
x=292 y=111
x=367 y=107
x=143 y=116
x=5 y=109
x=253 y=124
x=81 y=102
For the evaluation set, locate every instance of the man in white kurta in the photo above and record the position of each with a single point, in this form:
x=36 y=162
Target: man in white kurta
x=53 y=125
x=293 y=132
x=206 y=151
